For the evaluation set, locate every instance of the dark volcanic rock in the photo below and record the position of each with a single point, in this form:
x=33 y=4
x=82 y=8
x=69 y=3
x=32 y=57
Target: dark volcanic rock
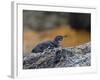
x=58 y=57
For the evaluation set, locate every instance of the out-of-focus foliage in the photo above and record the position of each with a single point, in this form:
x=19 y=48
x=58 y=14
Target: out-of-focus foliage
x=43 y=20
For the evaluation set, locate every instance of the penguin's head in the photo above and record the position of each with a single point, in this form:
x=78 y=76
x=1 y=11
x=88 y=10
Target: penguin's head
x=58 y=38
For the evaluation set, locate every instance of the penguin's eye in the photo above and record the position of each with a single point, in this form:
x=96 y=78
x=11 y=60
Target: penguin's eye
x=61 y=38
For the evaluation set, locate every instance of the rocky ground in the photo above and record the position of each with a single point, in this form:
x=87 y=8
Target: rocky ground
x=59 y=57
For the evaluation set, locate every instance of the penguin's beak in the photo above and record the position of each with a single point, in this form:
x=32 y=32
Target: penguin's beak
x=65 y=36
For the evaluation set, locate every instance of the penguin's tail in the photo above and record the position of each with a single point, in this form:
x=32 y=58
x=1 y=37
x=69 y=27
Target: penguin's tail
x=33 y=50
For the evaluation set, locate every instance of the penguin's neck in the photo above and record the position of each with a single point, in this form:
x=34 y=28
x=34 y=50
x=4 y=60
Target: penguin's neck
x=56 y=42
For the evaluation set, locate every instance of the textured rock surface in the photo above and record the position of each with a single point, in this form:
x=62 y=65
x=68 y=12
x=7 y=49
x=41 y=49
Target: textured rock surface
x=59 y=57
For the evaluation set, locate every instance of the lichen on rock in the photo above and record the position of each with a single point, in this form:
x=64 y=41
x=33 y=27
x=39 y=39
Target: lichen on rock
x=59 y=57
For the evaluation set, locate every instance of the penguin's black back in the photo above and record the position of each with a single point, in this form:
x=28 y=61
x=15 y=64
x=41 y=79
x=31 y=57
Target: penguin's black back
x=42 y=46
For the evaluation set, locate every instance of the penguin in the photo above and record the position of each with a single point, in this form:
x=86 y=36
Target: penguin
x=48 y=44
